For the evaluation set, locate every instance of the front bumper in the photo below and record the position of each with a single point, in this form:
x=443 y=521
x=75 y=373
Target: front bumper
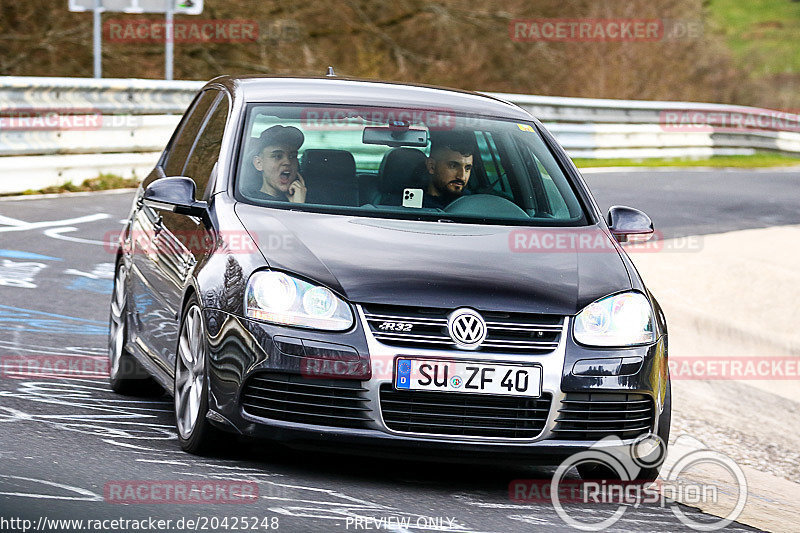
x=240 y=348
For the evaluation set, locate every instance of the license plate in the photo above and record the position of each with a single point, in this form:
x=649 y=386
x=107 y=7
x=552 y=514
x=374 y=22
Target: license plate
x=460 y=376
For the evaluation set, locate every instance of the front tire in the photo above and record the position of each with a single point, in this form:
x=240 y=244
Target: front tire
x=125 y=374
x=195 y=434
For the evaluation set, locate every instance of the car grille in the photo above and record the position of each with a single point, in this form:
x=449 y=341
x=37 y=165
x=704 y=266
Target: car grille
x=427 y=327
x=462 y=414
x=593 y=416
x=338 y=403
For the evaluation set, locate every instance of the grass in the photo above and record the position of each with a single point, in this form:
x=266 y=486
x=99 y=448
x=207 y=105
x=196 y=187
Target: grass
x=763 y=34
x=723 y=161
x=102 y=182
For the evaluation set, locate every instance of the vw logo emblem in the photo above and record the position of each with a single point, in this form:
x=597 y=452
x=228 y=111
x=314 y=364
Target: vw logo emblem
x=467 y=328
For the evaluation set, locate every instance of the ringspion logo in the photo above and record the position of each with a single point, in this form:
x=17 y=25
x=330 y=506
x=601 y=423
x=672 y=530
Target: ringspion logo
x=690 y=473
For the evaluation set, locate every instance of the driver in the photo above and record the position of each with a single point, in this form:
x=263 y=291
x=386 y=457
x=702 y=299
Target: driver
x=276 y=161
x=448 y=167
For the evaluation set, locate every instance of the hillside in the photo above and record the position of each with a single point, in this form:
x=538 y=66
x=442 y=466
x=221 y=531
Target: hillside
x=455 y=43
x=764 y=36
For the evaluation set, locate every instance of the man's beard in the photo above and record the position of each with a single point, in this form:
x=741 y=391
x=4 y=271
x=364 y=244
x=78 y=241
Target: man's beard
x=449 y=195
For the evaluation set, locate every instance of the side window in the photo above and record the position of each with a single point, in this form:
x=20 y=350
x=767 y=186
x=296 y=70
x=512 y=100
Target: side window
x=495 y=173
x=181 y=145
x=557 y=204
x=549 y=188
x=206 y=148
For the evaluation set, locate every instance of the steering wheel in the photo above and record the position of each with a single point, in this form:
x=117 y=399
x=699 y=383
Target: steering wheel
x=485 y=205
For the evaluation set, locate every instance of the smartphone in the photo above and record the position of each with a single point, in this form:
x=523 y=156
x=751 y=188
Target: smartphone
x=412 y=198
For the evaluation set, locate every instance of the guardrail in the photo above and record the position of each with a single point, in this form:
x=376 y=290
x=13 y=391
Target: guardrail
x=138 y=117
x=109 y=96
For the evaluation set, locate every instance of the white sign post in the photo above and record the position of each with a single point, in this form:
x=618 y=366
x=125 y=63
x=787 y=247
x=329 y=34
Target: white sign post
x=98 y=40
x=168 y=7
x=169 y=41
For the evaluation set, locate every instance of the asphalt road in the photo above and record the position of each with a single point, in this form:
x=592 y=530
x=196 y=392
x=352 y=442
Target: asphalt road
x=699 y=202
x=64 y=439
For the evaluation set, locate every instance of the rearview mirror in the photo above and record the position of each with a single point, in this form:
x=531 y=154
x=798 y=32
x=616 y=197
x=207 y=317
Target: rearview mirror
x=174 y=194
x=395 y=135
x=629 y=225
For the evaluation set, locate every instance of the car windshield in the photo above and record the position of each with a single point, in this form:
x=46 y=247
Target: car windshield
x=402 y=163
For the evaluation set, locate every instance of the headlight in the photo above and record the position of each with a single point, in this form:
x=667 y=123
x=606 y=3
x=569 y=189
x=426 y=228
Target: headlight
x=279 y=298
x=619 y=320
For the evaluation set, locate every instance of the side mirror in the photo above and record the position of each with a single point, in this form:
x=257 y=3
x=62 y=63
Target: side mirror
x=629 y=225
x=174 y=194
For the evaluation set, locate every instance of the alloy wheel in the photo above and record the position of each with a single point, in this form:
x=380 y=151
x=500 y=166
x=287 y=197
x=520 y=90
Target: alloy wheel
x=189 y=372
x=116 y=337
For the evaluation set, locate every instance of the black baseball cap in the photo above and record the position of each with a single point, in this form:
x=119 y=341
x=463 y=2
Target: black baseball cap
x=281 y=135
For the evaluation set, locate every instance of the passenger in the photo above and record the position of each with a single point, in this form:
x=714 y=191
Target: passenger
x=277 y=162
x=448 y=167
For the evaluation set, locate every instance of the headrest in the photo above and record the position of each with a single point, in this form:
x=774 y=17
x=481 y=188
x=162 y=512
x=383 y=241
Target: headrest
x=401 y=168
x=330 y=177
x=339 y=161
x=250 y=179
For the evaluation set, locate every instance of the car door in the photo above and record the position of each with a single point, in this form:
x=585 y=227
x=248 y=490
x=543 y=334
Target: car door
x=155 y=313
x=183 y=240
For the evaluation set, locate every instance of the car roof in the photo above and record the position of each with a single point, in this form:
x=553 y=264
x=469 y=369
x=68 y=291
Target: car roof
x=357 y=92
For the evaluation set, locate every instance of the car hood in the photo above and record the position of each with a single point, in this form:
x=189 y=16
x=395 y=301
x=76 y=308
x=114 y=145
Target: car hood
x=436 y=264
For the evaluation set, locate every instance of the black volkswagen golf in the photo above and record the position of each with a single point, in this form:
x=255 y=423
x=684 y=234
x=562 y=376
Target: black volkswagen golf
x=384 y=268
